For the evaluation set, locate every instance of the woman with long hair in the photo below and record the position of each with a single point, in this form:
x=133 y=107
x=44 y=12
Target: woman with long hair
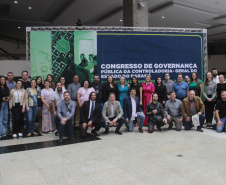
x=146 y=92
x=109 y=87
x=84 y=92
x=4 y=100
x=136 y=85
x=196 y=84
x=221 y=86
x=39 y=86
x=123 y=89
x=209 y=97
x=49 y=78
x=63 y=83
x=160 y=89
x=48 y=124
x=17 y=105
x=32 y=107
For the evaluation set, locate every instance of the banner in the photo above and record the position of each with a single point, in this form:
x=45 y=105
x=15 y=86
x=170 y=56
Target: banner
x=86 y=53
x=138 y=54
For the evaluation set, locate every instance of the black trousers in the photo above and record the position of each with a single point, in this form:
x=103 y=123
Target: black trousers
x=18 y=121
x=209 y=107
x=97 y=123
x=120 y=123
x=151 y=124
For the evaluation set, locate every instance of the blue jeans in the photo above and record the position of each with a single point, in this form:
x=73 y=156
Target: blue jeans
x=220 y=128
x=188 y=125
x=31 y=115
x=3 y=119
x=141 y=117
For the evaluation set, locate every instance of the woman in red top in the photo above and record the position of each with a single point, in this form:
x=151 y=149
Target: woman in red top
x=146 y=91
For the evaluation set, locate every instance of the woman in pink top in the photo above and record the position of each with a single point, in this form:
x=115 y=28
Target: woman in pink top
x=146 y=91
x=83 y=92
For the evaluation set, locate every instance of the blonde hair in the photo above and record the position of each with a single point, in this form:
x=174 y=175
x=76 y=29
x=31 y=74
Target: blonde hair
x=147 y=76
x=124 y=80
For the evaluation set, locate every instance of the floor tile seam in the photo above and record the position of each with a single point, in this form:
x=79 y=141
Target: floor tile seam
x=88 y=177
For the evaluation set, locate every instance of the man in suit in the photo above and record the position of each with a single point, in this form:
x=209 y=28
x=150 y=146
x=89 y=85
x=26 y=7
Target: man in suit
x=65 y=112
x=112 y=114
x=90 y=116
x=132 y=110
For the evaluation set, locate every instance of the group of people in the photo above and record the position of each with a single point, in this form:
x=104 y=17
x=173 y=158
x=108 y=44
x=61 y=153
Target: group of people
x=59 y=107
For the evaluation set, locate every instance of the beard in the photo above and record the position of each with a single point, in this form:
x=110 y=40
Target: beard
x=214 y=75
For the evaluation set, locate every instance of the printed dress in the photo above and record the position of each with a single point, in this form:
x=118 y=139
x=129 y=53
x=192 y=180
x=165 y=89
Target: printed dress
x=48 y=124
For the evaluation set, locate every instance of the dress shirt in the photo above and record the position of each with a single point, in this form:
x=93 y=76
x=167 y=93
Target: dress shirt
x=90 y=107
x=134 y=114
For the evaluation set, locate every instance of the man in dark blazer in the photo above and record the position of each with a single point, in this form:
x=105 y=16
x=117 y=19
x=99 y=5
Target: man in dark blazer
x=132 y=110
x=112 y=114
x=90 y=116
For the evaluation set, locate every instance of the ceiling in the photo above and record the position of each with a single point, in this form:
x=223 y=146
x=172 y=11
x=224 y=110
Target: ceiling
x=209 y=14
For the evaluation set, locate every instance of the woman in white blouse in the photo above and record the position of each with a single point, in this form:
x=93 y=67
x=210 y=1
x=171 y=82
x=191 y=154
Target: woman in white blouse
x=17 y=105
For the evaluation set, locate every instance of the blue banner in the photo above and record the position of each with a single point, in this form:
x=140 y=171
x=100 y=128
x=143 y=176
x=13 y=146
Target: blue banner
x=140 y=53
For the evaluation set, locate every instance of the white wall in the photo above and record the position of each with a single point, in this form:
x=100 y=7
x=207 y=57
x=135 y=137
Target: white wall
x=15 y=66
x=217 y=61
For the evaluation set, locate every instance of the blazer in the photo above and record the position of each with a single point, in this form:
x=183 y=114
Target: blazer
x=13 y=98
x=84 y=112
x=127 y=106
x=107 y=90
x=106 y=113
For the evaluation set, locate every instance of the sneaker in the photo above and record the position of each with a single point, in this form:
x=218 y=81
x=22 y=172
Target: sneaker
x=14 y=135
x=20 y=134
x=50 y=132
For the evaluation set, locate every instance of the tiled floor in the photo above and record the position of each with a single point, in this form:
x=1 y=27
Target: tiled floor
x=167 y=157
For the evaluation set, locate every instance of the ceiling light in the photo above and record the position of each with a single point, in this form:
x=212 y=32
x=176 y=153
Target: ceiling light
x=163 y=17
x=15 y=2
x=18 y=27
x=29 y=7
x=120 y=20
x=142 y=5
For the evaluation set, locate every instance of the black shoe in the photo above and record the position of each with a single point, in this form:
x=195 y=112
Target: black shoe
x=61 y=140
x=118 y=132
x=106 y=130
x=140 y=130
x=56 y=133
x=159 y=129
x=94 y=133
x=4 y=137
x=170 y=127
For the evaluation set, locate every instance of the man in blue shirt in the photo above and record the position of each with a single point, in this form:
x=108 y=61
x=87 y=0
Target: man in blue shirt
x=181 y=88
x=65 y=112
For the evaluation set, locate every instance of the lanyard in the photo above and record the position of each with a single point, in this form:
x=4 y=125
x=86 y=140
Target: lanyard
x=18 y=95
x=60 y=96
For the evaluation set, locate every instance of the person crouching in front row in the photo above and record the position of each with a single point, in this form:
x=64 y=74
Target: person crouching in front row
x=191 y=106
x=132 y=110
x=90 y=116
x=65 y=112
x=156 y=114
x=112 y=114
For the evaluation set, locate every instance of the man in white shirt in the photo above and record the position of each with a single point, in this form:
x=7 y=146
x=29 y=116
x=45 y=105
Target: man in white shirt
x=132 y=110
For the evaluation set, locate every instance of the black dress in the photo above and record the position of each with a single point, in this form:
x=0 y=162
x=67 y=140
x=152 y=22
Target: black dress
x=107 y=89
x=161 y=91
